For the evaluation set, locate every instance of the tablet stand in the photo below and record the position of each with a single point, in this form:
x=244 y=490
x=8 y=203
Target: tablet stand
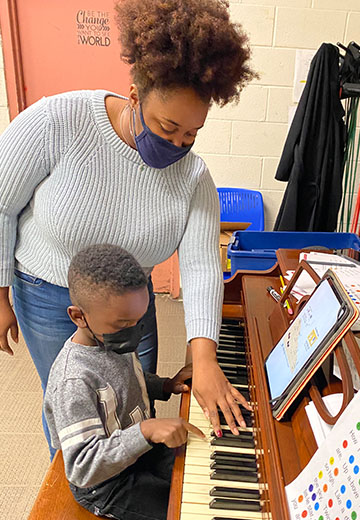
x=281 y=317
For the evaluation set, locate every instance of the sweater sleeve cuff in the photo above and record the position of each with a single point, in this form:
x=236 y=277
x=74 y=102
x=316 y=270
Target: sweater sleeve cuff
x=202 y=329
x=155 y=387
x=6 y=277
x=138 y=442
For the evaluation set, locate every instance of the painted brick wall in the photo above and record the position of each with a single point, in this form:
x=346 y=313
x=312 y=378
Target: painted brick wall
x=242 y=144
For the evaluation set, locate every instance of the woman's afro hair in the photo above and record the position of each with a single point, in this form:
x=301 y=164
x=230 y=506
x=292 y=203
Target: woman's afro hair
x=184 y=43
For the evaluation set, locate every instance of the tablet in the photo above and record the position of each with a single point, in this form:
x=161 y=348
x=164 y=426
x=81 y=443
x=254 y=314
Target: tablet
x=315 y=331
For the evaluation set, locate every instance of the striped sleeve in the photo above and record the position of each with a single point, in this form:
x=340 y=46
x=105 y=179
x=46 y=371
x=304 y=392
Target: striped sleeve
x=90 y=455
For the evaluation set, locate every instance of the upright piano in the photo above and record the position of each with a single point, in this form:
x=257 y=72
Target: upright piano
x=244 y=477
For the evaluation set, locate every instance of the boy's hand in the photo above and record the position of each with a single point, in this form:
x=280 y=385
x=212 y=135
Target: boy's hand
x=176 y=384
x=172 y=432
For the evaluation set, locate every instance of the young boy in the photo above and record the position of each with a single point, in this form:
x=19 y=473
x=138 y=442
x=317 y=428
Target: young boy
x=117 y=459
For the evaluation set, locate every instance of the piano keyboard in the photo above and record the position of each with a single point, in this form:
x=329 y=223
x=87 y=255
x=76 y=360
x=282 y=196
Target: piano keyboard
x=220 y=475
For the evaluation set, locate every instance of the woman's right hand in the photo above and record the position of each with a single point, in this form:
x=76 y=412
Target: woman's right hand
x=7 y=322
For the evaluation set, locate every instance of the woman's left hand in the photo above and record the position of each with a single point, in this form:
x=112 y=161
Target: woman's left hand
x=212 y=389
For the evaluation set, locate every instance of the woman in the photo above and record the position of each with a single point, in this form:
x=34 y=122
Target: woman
x=90 y=167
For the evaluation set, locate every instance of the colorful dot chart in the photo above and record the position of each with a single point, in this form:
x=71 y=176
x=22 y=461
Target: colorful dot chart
x=328 y=488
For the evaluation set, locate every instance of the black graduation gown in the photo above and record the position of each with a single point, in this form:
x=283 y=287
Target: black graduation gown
x=313 y=155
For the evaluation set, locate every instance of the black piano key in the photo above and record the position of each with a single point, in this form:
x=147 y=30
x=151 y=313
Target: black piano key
x=234 y=368
x=234 y=359
x=232 y=356
x=245 y=393
x=248 y=420
x=236 y=324
x=231 y=456
x=237 y=380
x=244 y=434
x=239 y=377
x=244 y=412
x=229 y=347
x=234 y=467
x=237 y=368
x=227 y=341
x=233 y=332
x=235 y=505
x=229 y=492
x=235 y=442
x=234 y=476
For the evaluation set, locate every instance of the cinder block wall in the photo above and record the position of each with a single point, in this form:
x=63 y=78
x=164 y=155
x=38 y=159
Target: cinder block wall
x=242 y=144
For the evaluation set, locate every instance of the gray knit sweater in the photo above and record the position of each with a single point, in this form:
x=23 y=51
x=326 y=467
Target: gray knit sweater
x=94 y=403
x=68 y=181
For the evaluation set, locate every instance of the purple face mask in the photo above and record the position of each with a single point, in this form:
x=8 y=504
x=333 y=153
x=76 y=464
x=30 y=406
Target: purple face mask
x=156 y=151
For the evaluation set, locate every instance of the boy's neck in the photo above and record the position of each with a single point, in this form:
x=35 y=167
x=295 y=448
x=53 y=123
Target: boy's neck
x=83 y=337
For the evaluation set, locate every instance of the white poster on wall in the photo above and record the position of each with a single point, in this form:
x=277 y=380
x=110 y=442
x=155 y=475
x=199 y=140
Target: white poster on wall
x=302 y=65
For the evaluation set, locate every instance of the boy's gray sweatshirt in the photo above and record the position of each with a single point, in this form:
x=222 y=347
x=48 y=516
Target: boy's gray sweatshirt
x=94 y=403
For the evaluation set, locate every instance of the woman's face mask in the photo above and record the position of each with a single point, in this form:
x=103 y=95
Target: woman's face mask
x=154 y=150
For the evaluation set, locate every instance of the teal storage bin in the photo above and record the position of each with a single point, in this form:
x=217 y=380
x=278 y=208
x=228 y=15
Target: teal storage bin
x=256 y=250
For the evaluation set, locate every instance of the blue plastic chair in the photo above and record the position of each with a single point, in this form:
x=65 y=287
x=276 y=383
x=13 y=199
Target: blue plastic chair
x=240 y=205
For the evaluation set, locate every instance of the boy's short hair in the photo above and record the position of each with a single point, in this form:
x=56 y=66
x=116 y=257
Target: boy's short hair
x=100 y=270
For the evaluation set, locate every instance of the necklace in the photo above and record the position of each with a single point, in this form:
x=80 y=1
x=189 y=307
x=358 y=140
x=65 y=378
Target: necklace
x=121 y=125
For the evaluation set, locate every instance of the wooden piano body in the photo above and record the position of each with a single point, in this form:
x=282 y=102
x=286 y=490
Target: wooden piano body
x=283 y=448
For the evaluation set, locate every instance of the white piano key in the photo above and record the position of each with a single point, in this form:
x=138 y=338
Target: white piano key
x=205 y=446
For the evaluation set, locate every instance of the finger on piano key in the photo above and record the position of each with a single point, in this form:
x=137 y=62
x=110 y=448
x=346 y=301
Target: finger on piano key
x=236 y=440
x=196 y=407
x=243 y=432
x=198 y=418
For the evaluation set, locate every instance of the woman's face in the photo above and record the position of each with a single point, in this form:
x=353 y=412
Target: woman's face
x=175 y=115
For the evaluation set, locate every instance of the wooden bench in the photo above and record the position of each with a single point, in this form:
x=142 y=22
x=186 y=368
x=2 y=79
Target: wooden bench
x=55 y=501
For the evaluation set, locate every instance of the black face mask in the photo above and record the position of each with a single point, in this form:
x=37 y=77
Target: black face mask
x=123 y=341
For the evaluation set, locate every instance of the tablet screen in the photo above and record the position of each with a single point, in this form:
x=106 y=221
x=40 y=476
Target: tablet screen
x=302 y=339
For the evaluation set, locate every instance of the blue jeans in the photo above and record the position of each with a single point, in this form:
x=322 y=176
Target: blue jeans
x=40 y=308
